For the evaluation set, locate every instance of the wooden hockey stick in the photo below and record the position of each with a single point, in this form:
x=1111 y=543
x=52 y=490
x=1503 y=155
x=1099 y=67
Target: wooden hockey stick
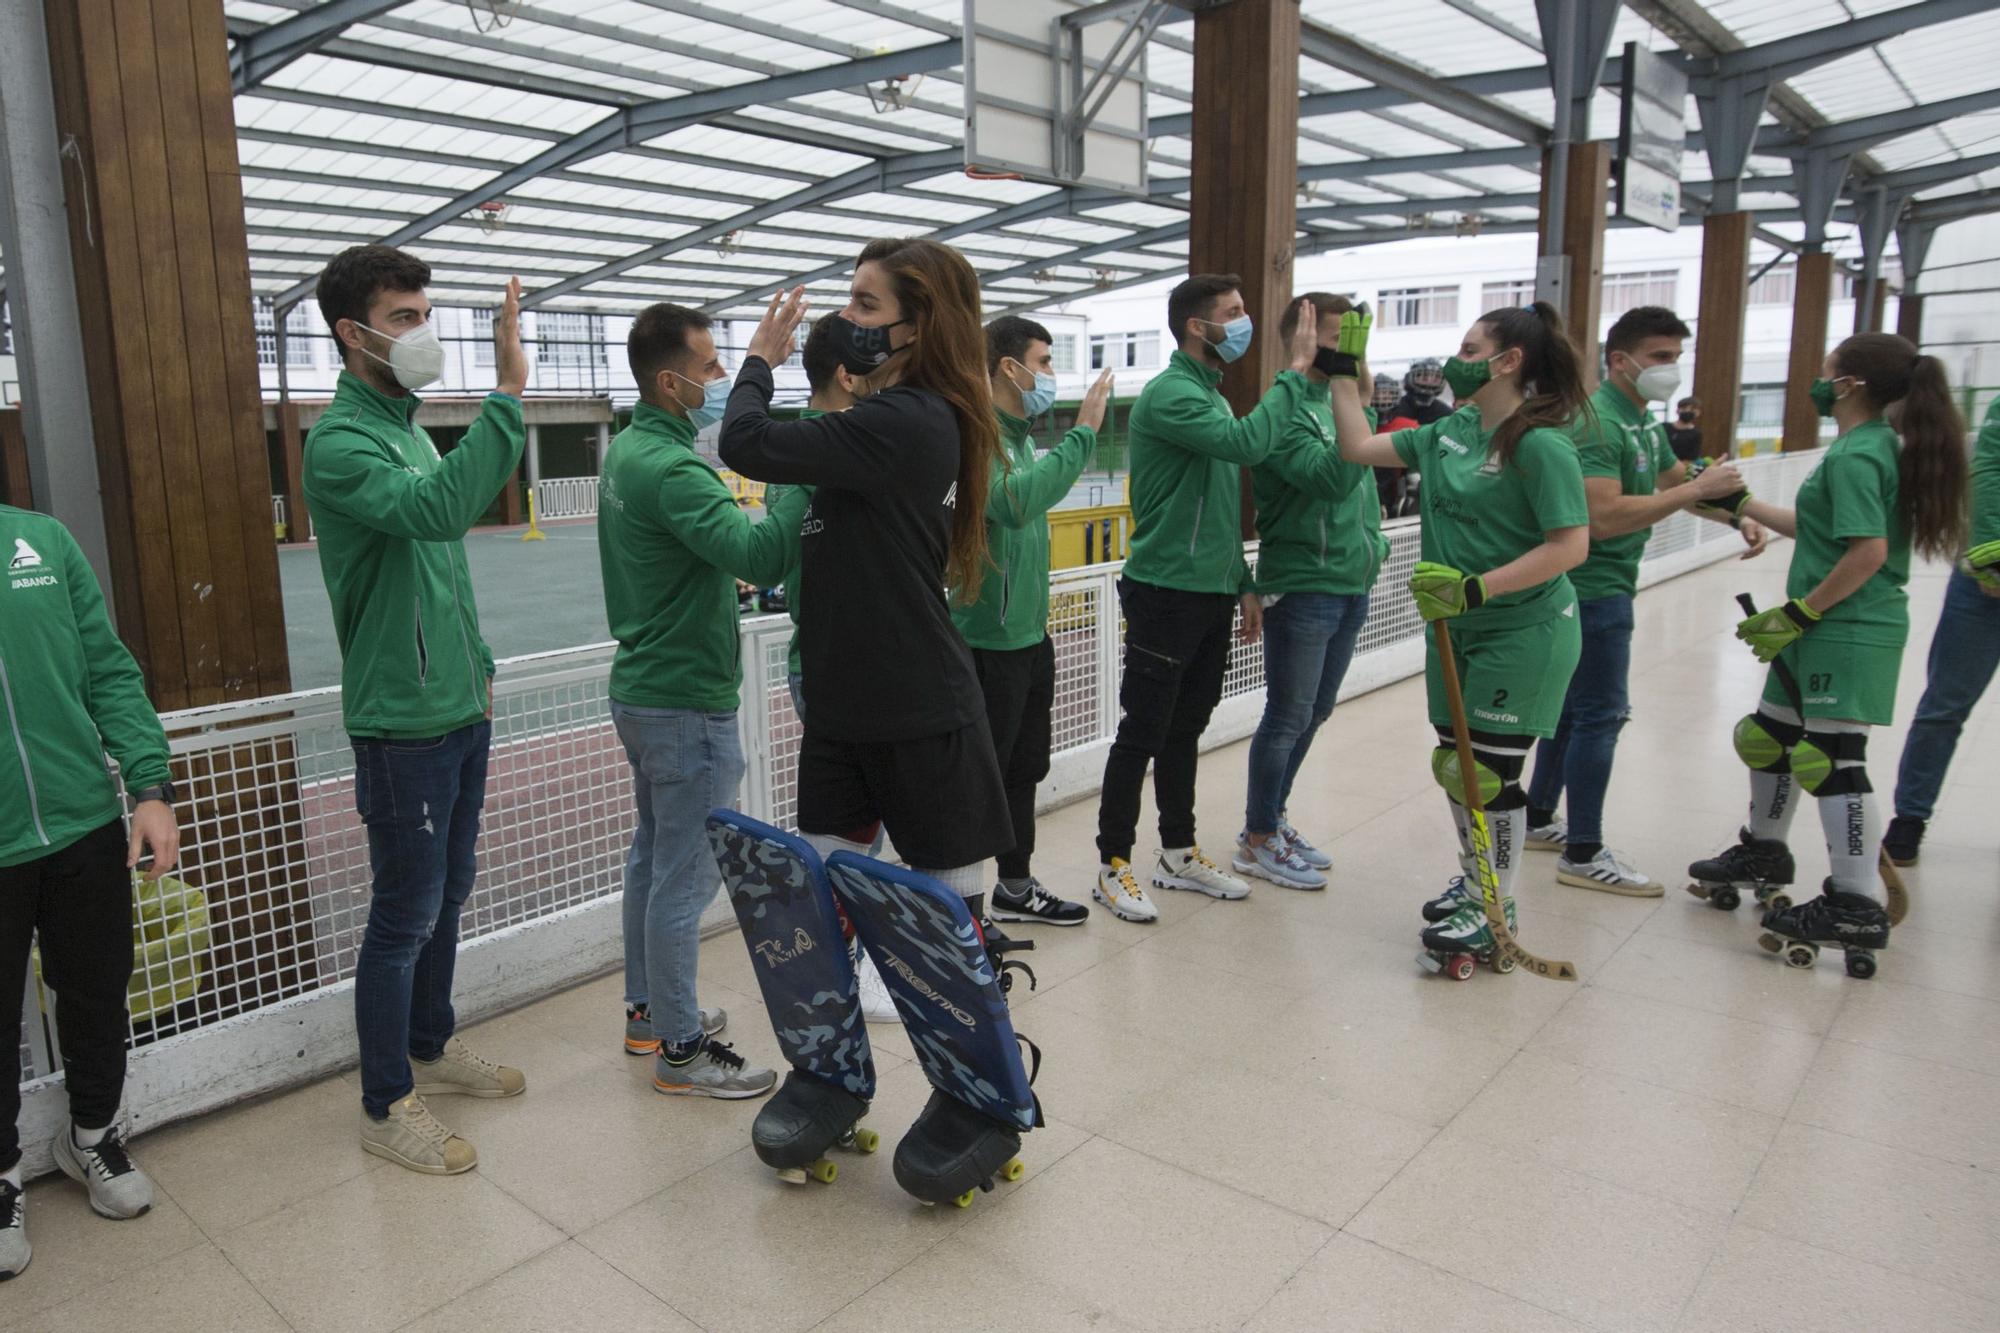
x=1482 y=839
x=1893 y=888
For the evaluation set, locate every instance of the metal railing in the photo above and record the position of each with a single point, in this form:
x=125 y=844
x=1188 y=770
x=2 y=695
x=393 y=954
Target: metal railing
x=271 y=837
x=566 y=497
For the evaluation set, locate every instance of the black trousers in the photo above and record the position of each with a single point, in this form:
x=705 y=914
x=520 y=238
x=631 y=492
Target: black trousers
x=79 y=901
x=1176 y=654
x=1020 y=689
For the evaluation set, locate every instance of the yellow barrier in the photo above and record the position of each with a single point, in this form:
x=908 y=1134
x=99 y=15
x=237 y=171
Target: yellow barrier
x=1089 y=536
x=742 y=488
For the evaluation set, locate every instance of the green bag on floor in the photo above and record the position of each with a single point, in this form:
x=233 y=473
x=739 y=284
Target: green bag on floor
x=169 y=946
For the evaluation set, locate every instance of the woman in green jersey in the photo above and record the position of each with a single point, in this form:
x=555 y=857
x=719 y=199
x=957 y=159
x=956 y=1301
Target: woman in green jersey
x=1839 y=636
x=1504 y=517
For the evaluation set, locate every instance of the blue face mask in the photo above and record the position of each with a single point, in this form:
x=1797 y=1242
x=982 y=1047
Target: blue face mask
x=1235 y=338
x=714 y=401
x=1039 y=399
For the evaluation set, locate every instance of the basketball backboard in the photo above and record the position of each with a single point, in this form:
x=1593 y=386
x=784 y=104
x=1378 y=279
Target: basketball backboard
x=1035 y=110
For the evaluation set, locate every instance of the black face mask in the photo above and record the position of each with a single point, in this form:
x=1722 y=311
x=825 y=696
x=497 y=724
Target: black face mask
x=1687 y=416
x=860 y=347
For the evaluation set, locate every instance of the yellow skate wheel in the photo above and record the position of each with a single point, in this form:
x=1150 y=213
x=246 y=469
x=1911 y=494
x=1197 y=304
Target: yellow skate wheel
x=964 y=1200
x=1014 y=1170
x=866 y=1140
x=825 y=1171
x=1503 y=963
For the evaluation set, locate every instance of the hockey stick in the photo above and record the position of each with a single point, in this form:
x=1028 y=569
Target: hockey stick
x=1482 y=838
x=1892 y=882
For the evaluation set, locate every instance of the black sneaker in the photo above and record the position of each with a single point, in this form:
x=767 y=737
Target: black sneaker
x=1037 y=906
x=1905 y=835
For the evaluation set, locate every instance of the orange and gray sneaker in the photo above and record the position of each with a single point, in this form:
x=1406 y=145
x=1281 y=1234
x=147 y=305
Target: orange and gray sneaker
x=1118 y=889
x=712 y=1069
x=639 y=1038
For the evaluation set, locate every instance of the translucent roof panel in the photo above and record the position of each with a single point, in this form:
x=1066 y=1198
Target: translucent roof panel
x=554 y=138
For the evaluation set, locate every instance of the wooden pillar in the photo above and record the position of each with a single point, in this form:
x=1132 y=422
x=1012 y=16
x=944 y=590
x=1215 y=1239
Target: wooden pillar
x=14 y=488
x=1878 y=309
x=1809 y=317
x=1586 y=196
x=1246 y=176
x=1718 y=339
x=1910 y=317
x=162 y=273
x=291 y=441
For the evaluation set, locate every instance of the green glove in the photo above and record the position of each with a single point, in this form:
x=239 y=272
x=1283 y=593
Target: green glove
x=1771 y=632
x=1443 y=592
x=1731 y=505
x=1350 y=345
x=1982 y=562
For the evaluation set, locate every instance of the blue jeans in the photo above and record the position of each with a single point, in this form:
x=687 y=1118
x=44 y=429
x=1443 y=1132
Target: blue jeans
x=1965 y=651
x=1594 y=711
x=684 y=764
x=1308 y=643
x=420 y=802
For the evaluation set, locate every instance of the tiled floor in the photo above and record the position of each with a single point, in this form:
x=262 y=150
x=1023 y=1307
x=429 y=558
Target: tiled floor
x=1263 y=1115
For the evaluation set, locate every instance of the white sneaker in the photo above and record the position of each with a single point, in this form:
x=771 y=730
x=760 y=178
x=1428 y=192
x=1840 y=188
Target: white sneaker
x=877 y=1005
x=118 y=1189
x=1274 y=859
x=14 y=1248
x=1187 y=868
x=1550 y=837
x=411 y=1136
x=1606 y=872
x=1118 y=889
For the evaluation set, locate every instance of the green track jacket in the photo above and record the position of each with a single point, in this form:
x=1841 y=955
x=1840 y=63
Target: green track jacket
x=1319 y=518
x=391 y=516
x=1187 y=445
x=1013 y=606
x=69 y=691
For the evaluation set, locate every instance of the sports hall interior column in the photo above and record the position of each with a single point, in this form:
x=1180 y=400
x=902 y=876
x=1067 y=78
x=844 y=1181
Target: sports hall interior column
x=1718 y=336
x=1246 y=175
x=1586 y=196
x=1810 y=299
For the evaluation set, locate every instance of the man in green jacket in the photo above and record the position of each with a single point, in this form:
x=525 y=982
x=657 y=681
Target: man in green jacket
x=69 y=691
x=416 y=677
x=672 y=543
x=1007 y=628
x=1319 y=525
x=1184 y=581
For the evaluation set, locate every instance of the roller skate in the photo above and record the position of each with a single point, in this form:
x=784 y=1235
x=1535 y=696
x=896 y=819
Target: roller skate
x=1454 y=945
x=1762 y=866
x=1859 y=925
x=952 y=1152
x=804 y=1119
x=1455 y=896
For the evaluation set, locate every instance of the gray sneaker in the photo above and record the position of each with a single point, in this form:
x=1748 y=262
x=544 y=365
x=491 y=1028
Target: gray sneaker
x=715 y=1070
x=411 y=1136
x=118 y=1189
x=639 y=1038
x=14 y=1248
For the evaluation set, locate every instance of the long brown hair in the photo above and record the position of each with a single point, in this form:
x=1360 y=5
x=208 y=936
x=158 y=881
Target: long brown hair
x=1551 y=372
x=939 y=294
x=1889 y=369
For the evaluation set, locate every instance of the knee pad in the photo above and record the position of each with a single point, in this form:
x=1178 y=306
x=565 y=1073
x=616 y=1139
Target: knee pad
x=1765 y=743
x=1830 y=763
x=1495 y=773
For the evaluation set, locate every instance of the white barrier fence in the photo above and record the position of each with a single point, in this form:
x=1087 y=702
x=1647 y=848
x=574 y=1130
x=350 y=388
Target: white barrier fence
x=270 y=833
x=566 y=497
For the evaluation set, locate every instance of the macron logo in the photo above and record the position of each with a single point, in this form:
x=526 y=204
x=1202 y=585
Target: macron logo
x=951 y=497
x=25 y=557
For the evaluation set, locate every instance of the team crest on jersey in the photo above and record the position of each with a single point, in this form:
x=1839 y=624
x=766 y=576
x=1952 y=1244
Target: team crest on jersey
x=25 y=568
x=25 y=557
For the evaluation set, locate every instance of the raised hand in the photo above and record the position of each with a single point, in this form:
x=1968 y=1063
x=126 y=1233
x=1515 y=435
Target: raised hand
x=1091 y=414
x=777 y=331
x=510 y=360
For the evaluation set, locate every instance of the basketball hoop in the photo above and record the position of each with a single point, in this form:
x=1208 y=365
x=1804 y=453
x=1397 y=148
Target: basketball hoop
x=491 y=215
x=988 y=174
x=492 y=15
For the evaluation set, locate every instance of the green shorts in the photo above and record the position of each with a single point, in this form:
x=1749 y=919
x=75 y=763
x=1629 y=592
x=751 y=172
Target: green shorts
x=1514 y=679
x=1844 y=682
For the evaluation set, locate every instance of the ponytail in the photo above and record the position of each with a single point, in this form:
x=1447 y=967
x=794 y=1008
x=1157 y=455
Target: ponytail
x=1932 y=464
x=1551 y=373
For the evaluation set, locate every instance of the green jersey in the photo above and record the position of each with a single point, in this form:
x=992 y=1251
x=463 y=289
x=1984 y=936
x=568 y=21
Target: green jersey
x=1479 y=515
x=672 y=543
x=773 y=493
x=1986 y=479
x=1855 y=493
x=1187 y=444
x=1319 y=519
x=1013 y=607
x=1618 y=440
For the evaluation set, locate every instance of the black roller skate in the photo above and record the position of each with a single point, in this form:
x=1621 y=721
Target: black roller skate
x=1761 y=866
x=803 y=1119
x=952 y=1152
x=1859 y=925
x=1465 y=938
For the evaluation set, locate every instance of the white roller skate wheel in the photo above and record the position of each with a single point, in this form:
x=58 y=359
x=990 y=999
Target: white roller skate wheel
x=1801 y=954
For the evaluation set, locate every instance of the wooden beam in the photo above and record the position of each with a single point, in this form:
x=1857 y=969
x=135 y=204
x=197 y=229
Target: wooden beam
x=1586 y=197
x=1244 y=183
x=1809 y=317
x=1910 y=317
x=14 y=489
x=1718 y=338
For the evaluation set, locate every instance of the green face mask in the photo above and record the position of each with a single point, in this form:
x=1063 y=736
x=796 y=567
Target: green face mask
x=1466 y=378
x=1822 y=396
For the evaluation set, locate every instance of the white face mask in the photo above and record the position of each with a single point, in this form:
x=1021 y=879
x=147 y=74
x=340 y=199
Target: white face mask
x=1656 y=384
x=415 y=359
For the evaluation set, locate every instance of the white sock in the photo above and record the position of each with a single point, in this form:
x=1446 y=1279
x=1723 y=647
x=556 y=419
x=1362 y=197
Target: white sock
x=826 y=844
x=1772 y=804
x=1509 y=830
x=966 y=881
x=88 y=1138
x=1853 y=827
x=1461 y=822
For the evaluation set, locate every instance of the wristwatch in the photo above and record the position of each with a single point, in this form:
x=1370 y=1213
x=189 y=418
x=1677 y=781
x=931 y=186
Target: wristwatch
x=162 y=791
